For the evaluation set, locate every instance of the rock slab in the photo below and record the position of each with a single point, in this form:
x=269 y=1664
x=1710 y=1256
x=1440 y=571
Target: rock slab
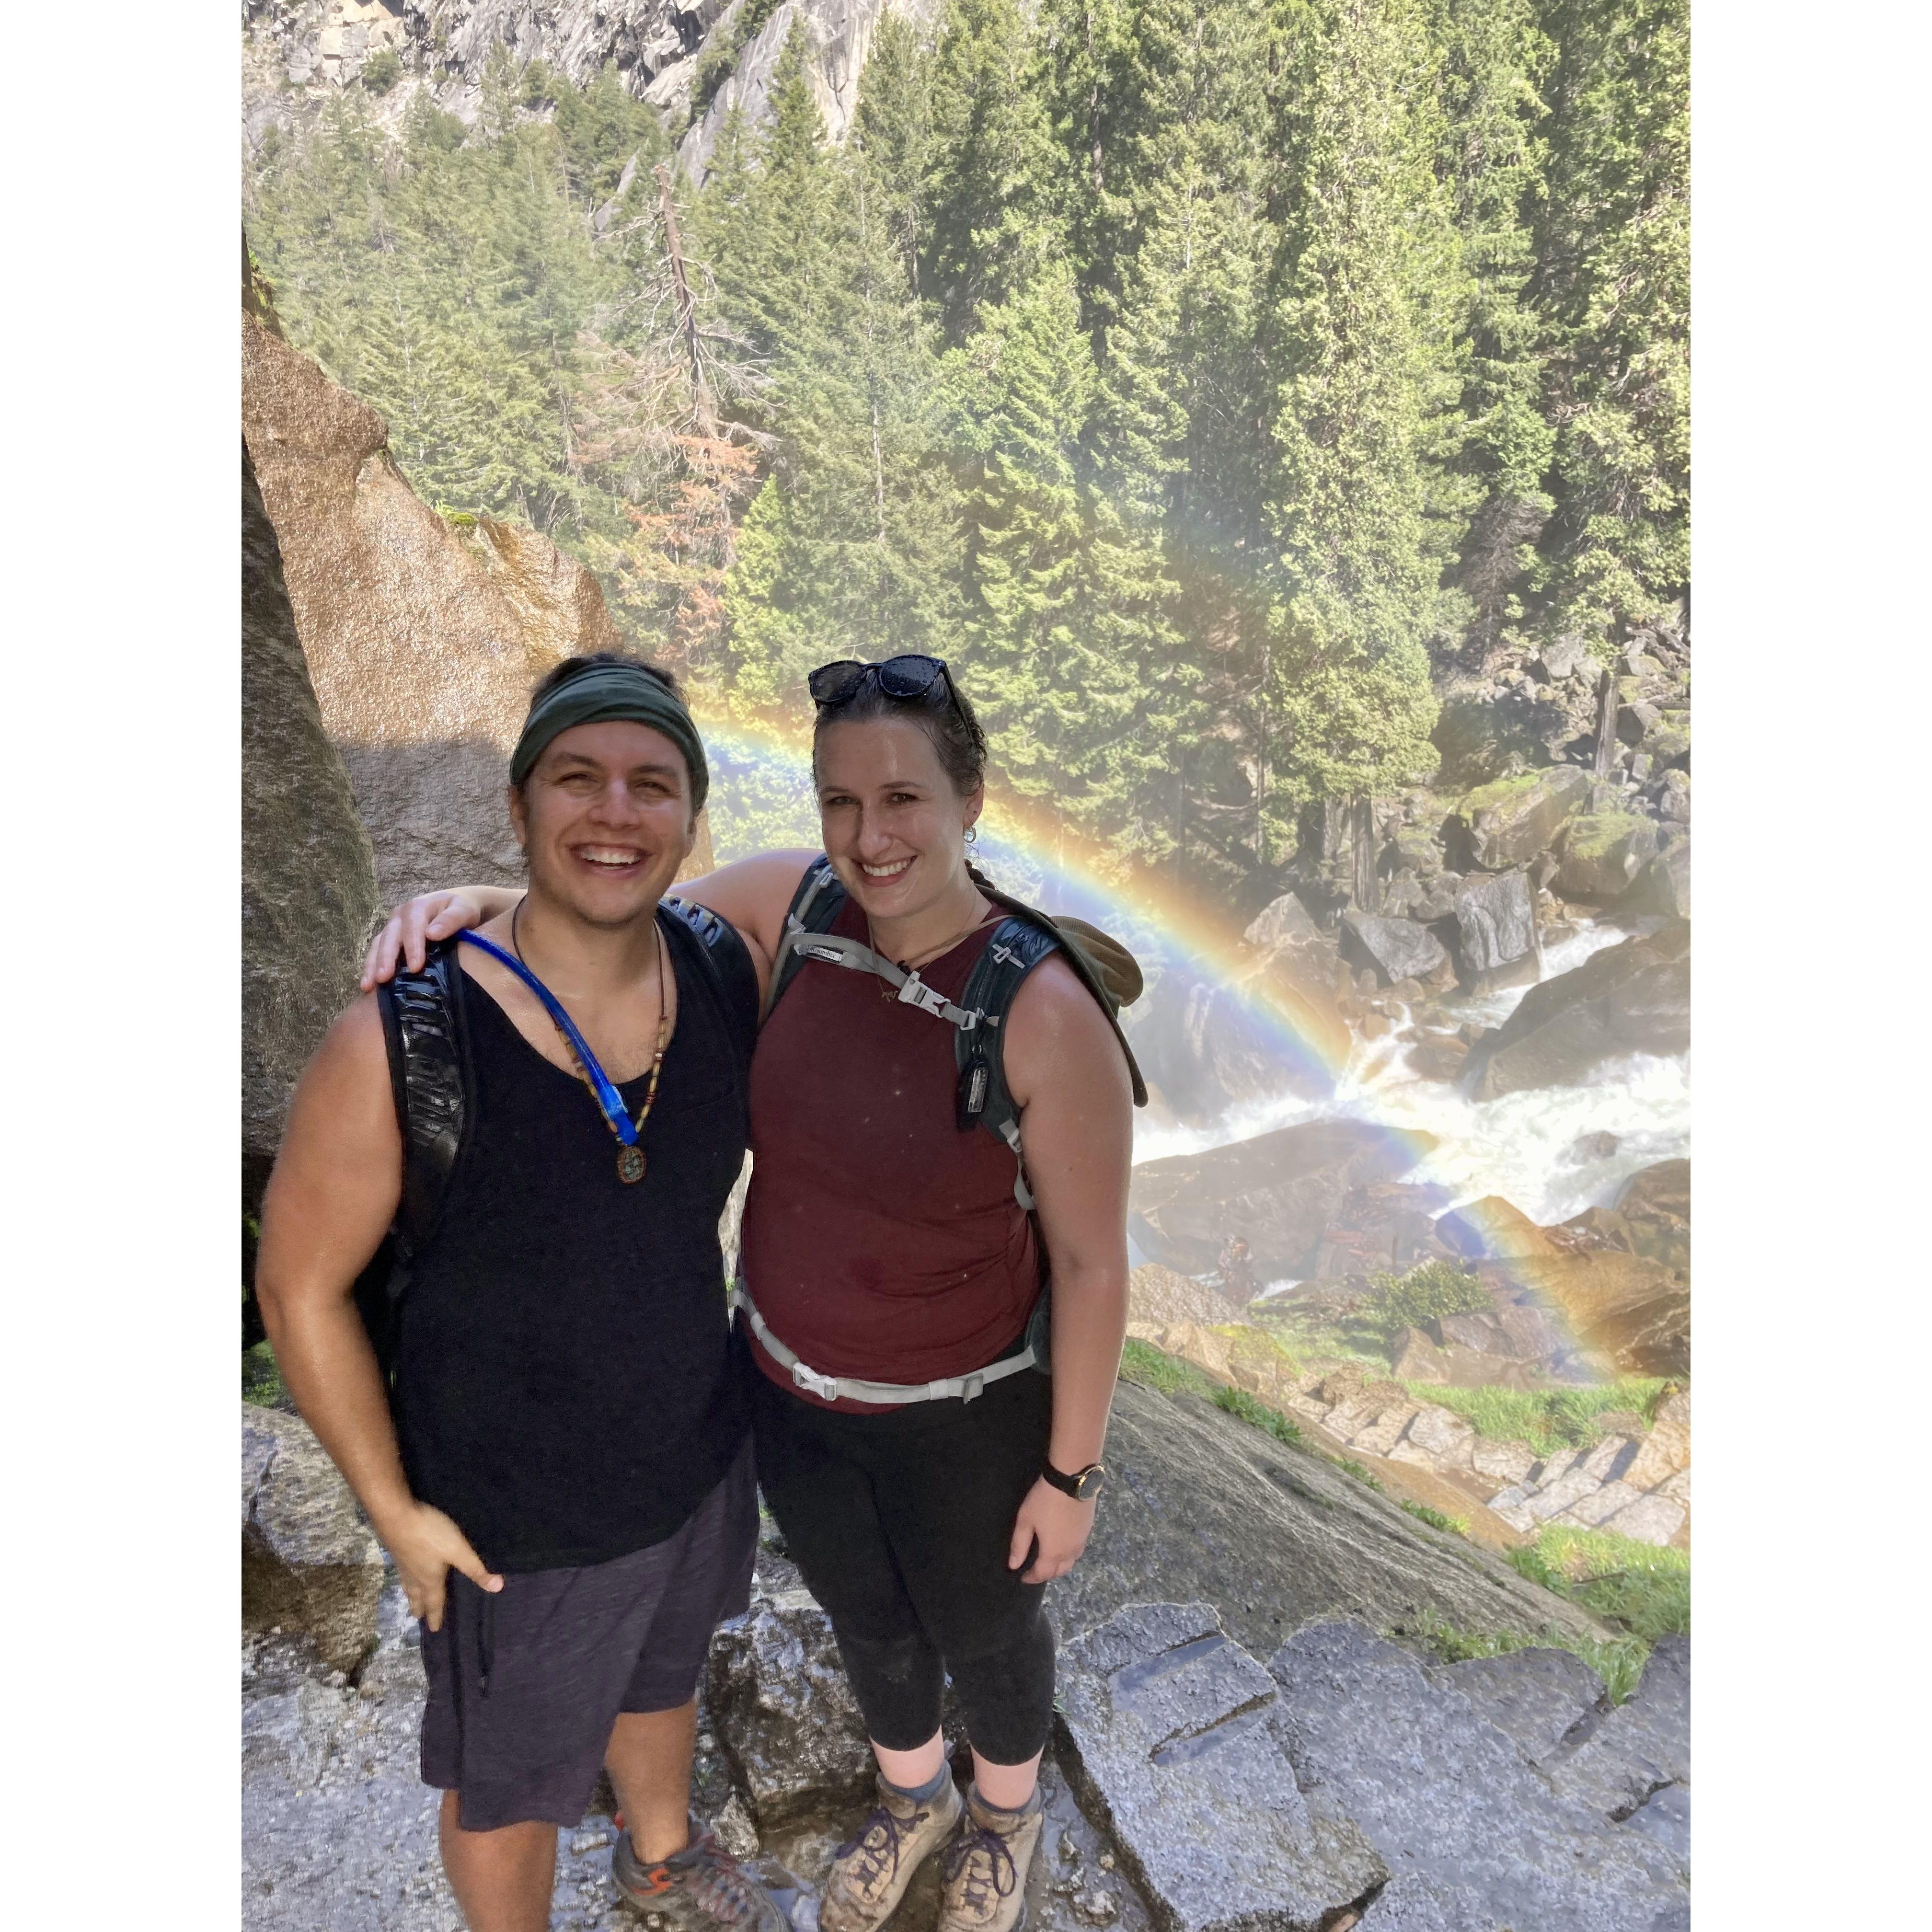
x=1452 y=1804
x=308 y=875
x=309 y=1562
x=1167 y=1720
x=1634 y=998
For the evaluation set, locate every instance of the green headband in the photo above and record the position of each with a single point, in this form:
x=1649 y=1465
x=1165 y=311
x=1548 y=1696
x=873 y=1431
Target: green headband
x=599 y=694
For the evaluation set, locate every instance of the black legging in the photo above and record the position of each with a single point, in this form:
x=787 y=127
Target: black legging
x=901 y=1522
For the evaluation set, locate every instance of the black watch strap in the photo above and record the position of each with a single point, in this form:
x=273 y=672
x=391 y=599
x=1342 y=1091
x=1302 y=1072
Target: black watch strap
x=1083 y=1486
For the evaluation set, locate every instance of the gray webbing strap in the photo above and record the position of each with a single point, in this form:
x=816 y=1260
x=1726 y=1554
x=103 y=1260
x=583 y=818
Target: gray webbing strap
x=835 y=950
x=831 y=1388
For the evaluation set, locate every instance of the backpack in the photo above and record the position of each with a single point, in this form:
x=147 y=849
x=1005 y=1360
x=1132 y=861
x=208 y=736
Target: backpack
x=431 y=1079
x=1018 y=943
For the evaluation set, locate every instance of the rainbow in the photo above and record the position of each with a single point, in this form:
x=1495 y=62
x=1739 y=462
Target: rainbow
x=1047 y=862
x=764 y=797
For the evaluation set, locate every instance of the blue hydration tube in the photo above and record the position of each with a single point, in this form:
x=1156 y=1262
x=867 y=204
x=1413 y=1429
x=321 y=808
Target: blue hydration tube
x=608 y=1098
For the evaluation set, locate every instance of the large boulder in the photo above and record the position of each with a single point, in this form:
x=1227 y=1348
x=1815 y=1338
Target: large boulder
x=1603 y=853
x=1397 y=949
x=1509 y=822
x=1664 y=886
x=1634 y=998
x=1475 y=1838
x=1493 y=1229
x=308 y=877
x=424 y=635
x=309 y=1562
x=1167 y=1723
x=1495 y=916
x=1201 y=1506
x=783 y=1706
x=1280 y=1192
x=1158 y=1295
x=1628 y=1309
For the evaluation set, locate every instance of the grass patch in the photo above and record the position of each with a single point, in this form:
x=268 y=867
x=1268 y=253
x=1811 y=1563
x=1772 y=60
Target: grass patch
x=1618 y=1661
x=1546 y=1419
x=1456 y=1525
x=1141 y=1362
x=1355 y=1469
x=1645 y=1589
x=1238 y=1401
x=261 y=1379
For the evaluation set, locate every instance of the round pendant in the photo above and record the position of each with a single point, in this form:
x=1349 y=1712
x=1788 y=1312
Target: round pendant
x=630 y=1164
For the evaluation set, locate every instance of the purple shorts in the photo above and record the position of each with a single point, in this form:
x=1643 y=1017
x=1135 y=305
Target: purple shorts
x=525 y=1684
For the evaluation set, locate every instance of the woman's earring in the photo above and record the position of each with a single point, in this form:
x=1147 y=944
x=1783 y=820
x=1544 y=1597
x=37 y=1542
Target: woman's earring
x=972 y=835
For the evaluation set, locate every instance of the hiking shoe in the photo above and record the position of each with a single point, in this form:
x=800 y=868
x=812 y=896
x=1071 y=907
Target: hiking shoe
x=870 y=1870
x=986 y=1867
x=701 y=1888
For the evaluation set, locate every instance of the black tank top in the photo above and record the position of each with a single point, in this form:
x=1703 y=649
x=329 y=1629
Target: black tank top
x=564 y=1387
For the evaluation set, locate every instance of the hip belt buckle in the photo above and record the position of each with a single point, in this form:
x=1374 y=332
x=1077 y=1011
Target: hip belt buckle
x=825 y=1388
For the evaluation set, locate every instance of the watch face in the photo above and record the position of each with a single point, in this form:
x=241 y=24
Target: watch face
x=1089 y=1483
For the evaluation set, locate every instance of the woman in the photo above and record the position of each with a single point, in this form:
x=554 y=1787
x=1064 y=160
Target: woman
x=882 y=1245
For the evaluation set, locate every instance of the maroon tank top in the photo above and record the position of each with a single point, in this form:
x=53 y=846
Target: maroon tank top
x=880 y=1242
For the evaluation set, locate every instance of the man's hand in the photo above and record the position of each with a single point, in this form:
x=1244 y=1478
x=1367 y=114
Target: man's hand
x=414 y=925
x=1061 y=1525
x=426 y=1545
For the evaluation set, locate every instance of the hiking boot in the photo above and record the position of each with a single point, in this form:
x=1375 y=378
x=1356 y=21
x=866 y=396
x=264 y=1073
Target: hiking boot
x=986 y=1867
x=701 y=1888
x=871 y=1869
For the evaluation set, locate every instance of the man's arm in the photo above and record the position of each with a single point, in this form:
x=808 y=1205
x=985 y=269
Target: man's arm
x=330 y=1200
x=750 y=894
x=1069 y=1078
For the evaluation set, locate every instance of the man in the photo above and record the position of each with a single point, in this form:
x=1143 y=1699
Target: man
x=564 y=1479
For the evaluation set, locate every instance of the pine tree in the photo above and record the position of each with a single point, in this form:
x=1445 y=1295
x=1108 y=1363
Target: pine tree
x=990 y=164
x=1368 y=294
x=1612 y=284
x=850 y=547
x=1068 y=649
x=1494 y=157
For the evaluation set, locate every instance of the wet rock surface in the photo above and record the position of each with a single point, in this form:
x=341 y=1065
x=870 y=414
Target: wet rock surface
x=1281 y=1192
x=1204 y=1507
x=1633 y=997
x=1450 y=1802
x=1189 y=1786
x=1166 y=1724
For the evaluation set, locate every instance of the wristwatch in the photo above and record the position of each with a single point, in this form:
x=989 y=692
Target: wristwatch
x=1083 y=1486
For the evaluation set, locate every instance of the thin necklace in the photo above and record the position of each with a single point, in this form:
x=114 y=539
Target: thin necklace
x=630 y=1159
x=890 y=993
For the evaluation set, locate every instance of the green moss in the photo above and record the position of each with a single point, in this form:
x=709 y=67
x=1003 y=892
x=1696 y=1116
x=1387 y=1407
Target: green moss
x=1500 y=792
x=1549 y=1419
x=1594 y=834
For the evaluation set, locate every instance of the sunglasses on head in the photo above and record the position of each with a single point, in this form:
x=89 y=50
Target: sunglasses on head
x=909 y=677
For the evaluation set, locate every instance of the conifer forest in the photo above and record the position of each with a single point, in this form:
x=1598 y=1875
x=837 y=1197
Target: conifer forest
x=1206 y=380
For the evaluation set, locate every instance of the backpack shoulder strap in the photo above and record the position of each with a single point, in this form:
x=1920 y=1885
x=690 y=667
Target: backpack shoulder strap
x=818 y=900
x=1067 y=940
x=430 y=1076
x=1015 y=949
x=727 y=959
